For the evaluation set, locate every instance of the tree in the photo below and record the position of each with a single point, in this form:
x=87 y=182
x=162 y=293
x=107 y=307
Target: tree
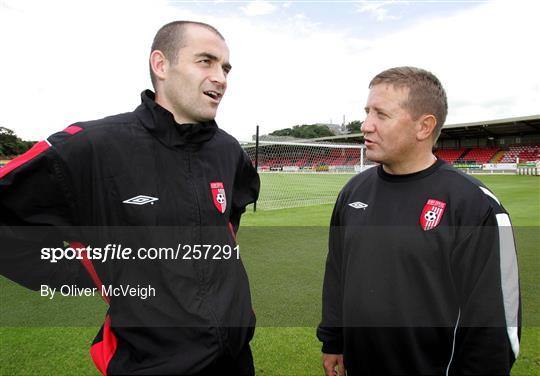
x=304 y=131
x=282 y=132
x=354 y=126
x=11 y=145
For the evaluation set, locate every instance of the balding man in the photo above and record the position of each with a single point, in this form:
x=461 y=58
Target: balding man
x=167 y=176
x=421 y=275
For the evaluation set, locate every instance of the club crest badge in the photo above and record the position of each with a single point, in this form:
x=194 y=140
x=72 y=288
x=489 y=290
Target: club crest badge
x=432 y=214
x=218 y=194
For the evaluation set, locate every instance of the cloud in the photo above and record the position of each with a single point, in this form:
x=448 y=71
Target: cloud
x=475 y=58
x=376 y=9
x=60 y=65
x=258 y=8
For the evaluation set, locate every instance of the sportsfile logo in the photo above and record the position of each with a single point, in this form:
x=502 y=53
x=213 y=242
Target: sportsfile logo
x=141 y=200
x=358 y=205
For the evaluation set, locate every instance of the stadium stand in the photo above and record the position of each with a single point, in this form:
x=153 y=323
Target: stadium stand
x=525 y=153
x=478 y=155
x=302 y=158
x=277 y=156
x=449 y=155
x=498 y=156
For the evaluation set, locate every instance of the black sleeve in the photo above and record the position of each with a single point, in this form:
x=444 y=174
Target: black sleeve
x=484 y=268
x=246 y=189
x=34 y=206
x=330 y=331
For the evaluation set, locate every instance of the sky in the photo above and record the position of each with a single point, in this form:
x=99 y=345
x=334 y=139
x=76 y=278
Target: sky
x=294 y=62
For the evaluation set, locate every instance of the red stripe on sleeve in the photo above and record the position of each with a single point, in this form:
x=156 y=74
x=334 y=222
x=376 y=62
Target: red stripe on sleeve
x=87 y=263
x=103 y=351
x=231 y=229
x=36 y=150
x=72 y=129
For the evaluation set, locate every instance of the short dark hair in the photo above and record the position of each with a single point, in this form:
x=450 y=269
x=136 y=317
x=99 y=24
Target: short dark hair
x=426 y=93
x=171 y=38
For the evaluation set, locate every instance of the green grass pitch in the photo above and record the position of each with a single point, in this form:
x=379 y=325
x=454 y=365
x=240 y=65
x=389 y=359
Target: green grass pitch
x=284 y=253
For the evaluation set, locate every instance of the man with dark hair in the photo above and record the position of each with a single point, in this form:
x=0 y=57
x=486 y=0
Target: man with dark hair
x=421 y=274
x=172 y=37
x=165 y=177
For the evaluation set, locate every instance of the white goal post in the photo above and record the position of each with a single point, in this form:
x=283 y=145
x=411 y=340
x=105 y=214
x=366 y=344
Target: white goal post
x=295 y=174
x=306 y=157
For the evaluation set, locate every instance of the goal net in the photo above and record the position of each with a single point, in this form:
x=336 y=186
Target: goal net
x=295 y=174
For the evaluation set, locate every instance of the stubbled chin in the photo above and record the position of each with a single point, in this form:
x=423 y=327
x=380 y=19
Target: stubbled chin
x=210 y=115
x=371 y=156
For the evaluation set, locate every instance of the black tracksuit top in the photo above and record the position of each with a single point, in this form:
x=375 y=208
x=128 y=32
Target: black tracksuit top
x=79 y=180
x=421 y=276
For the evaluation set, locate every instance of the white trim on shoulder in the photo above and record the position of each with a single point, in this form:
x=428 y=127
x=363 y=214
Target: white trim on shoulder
x=509 y=279
x=488 y=192
x=453 y=343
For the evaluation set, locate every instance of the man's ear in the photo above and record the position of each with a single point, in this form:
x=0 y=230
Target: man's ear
x=159 y=64
x=426 y=127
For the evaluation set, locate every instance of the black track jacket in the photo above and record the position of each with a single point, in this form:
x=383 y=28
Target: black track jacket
x=139 y=179
x=421 y=276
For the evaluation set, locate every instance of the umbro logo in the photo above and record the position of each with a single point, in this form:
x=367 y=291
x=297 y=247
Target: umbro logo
x=358 y=205
x=141 y=200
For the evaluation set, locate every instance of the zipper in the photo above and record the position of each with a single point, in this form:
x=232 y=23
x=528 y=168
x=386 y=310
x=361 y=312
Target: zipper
x=194 y=189
x=203 y=280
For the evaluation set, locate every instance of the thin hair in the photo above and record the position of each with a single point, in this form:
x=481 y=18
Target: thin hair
x=171 y=37
x=426 y=93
